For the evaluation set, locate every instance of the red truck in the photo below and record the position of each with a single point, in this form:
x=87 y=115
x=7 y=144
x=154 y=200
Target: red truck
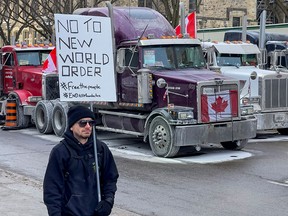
x=164 y=92
x=21 y=79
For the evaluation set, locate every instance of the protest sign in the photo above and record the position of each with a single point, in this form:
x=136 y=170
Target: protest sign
x=85 y=58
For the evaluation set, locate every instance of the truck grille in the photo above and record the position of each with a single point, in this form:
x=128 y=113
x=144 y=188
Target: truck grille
x=218 y=103
x=51 y=87
x=275 y=94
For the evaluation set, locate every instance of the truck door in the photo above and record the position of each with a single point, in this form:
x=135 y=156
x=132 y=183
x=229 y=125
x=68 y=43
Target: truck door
x=127 y=66
x=8 y=72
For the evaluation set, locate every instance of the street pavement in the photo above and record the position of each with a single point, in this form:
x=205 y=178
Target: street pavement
x=22 y=196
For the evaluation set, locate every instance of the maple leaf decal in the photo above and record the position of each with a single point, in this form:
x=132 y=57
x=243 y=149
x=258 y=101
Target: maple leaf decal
x=219 y=105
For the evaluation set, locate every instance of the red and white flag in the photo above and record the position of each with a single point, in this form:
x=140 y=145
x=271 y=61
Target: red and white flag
x=220 y=106
x=50 y=64
x=190 y=25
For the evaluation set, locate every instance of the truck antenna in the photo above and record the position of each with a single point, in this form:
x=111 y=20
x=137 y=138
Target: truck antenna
x=134 y=49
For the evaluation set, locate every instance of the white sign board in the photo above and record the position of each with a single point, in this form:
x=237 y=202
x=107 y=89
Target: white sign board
x=85 y=58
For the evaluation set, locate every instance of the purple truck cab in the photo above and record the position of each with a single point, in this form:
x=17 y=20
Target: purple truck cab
x=164 y=91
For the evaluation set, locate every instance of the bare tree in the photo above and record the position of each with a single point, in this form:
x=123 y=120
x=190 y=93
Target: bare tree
x=170 y=9
x=37 y=15
x=8 y=12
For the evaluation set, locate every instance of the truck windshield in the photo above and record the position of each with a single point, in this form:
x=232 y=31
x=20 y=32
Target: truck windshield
x=34 y=58
x=173 y=57
x=237 y=59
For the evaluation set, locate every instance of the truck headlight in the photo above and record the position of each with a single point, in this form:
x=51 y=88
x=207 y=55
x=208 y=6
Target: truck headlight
x=251 y=100
x=182 y=114
x=247 y=110
x=185 y=115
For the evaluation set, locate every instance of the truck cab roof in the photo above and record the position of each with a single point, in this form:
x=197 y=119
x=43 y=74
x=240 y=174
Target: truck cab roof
x=233 y=48
x=10 y=48
x=130 y=23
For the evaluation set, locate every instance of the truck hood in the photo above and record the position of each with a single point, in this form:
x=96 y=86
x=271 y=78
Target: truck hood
x=31 y=69
x=190 y=75
x=245 y=71
x=251 y=87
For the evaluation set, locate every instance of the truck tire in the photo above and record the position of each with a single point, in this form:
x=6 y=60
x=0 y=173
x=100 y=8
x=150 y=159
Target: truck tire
x=23 y=121
x=235 y=145
x=59 y=118
x=283 y=131
x=43 y=116
x=161 y=138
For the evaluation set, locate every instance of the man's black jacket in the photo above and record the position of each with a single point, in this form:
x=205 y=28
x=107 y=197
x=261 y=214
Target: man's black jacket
x=70 y=186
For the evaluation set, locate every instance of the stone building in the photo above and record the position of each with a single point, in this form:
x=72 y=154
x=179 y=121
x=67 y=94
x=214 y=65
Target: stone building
x=227 y=13
x=212 y=13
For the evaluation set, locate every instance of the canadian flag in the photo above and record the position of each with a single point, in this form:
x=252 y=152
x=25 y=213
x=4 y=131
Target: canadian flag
x=190 y=25
x=219 y=106
x=50 y=64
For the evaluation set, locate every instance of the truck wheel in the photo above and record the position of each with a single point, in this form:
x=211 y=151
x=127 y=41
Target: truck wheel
x=59 y=118
x=23 y=121
x=161 y=138
x=235 y=145
x=43 y=116
x=283 y=131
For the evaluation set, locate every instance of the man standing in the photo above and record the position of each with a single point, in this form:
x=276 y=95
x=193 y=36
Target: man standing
x=70 y=185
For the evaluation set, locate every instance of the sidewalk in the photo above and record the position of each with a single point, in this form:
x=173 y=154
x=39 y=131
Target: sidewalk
x=22 y=196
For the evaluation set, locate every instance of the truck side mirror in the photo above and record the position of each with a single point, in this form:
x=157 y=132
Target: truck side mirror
x=120 y=69
x=120 y=62
x=215 y=68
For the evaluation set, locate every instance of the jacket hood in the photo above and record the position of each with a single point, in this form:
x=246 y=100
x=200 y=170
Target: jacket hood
x=74 y=143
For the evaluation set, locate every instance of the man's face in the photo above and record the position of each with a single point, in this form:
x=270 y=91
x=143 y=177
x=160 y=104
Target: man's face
x=82 y=129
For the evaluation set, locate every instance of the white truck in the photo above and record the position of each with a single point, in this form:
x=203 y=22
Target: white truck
x=265 y=90
x=276 y=47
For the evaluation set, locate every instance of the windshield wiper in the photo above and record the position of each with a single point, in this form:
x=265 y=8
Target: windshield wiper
x=161 y=67
x=230 y=64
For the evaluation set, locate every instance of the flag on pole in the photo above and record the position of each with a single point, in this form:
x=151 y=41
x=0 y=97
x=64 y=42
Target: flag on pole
x=50 y=64
x=219 y=106
x=190 y=25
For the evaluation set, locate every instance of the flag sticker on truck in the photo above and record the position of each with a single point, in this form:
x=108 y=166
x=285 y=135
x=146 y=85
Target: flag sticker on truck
x=219 y=106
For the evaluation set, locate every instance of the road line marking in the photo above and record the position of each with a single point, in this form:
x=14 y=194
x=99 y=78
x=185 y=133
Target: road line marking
x=278 y=183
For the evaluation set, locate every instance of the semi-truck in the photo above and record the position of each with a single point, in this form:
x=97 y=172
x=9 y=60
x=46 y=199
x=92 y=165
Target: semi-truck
x=164 y=92
x=21 y=80
x=264 y=90
x=276 y=47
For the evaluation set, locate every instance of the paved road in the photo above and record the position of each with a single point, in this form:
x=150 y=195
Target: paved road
x=213 y=182
x=21 y=195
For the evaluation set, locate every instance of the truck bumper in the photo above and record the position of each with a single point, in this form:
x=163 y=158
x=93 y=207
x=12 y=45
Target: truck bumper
x=267 y=121
x=215 y=133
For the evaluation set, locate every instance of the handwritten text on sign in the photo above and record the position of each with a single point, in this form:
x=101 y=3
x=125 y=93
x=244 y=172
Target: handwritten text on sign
x=85 y=58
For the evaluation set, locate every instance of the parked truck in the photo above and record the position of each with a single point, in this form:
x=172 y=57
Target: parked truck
x=276 y=47
x=22 y=80
x=163 y=87
x=265 y=90
x=164 y=92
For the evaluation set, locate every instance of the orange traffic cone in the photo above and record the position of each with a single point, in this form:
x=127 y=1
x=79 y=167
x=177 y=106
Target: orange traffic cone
x=11 y=113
